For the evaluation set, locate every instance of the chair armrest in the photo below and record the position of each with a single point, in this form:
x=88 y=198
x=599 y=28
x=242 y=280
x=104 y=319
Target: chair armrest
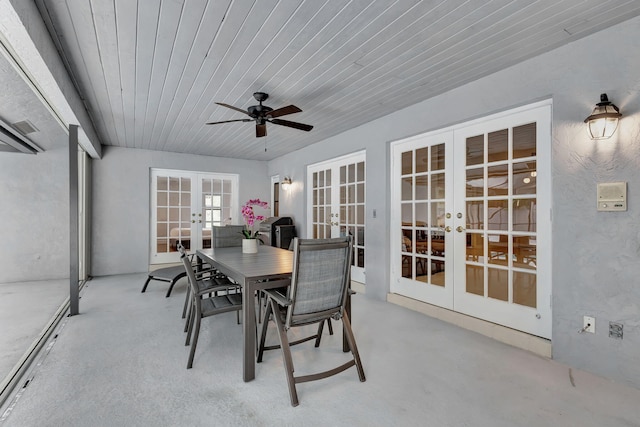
x=278 y=297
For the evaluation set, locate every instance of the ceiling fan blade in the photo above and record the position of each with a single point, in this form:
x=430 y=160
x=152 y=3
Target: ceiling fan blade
x=229 y=121
x=261 y=130
x=295 y=125
x=289 y=109
x=233 y=108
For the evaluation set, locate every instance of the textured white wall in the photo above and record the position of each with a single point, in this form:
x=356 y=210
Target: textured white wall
x=34 y=216
x=595 y=255
x=121 y=199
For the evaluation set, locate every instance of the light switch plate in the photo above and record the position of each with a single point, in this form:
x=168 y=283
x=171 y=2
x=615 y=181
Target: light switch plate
x=612 y=196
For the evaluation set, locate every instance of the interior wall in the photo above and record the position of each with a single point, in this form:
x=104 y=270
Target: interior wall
x=595 y=254
x=34 y=216
x=121 y=201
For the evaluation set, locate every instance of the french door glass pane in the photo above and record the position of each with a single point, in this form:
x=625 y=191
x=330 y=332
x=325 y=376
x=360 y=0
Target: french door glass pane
x=501 y=215
x=422 y=209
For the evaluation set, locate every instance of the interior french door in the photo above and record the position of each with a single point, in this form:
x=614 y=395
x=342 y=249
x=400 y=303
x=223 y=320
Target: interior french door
x=184 y=207
x=337 y=204
x=471 y=225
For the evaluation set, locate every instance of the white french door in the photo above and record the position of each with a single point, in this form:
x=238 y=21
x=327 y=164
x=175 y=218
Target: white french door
x=184 y=207
x=471 y=223
x=423 y=195
x=336 y=204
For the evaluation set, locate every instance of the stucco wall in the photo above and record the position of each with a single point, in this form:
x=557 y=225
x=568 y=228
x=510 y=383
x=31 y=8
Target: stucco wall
x=595 y=254
x=34 y=216
x=121 y=198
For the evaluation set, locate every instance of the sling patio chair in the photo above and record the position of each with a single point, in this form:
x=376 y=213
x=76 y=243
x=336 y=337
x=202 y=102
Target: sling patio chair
x=206 y=301
x=319 y=290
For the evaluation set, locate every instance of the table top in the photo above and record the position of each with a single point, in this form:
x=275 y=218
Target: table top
x=268 y=262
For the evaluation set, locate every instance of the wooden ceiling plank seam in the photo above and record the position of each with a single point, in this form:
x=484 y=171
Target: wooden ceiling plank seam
x=447 y=13
x=106 y=39
x=198 y=55
x=157 y=52
x=309 y=40
x=126 y=16
x=169 y=19
x=272 y=30
x=146 y=25
x=91 y=90
x=417 y=63
x=550 y=40
x=546 y=38
x=348 y=51
x=489 y=64
x=419 y=23
x=341 y=67
x=184 y=46
x=453 y=48
x=315 y=44
x=227 y=32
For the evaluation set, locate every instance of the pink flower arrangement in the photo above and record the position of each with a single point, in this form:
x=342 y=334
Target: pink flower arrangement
x=250 y=218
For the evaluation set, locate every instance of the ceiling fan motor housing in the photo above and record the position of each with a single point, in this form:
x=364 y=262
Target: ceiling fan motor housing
x=256 y=111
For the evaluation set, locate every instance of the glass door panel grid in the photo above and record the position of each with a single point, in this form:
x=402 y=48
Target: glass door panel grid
x=216 y=196
x=422 y=213
x=351 y=219
x=173 y=210
x=321 y=205
x=501 y=215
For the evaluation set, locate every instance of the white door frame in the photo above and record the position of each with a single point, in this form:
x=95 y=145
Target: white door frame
x=537 y=320
x=357 y=273
x=195 y=220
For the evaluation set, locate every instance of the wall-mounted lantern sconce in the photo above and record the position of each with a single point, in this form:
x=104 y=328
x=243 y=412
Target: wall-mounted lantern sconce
x=286 y=182
x=603 y=122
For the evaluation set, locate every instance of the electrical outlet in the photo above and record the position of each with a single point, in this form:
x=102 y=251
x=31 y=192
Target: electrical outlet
x=589 y=324
x=615 y=330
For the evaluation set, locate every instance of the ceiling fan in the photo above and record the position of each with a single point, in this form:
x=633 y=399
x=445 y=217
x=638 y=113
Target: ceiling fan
x=262 y=114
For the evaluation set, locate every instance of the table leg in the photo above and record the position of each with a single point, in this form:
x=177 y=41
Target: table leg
x=347 y=308
x=248 y=332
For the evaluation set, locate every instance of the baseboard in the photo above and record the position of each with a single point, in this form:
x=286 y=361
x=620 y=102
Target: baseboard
x=532 y=343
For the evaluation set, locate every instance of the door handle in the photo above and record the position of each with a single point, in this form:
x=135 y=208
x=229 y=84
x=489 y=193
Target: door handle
x=447 y=229
x=460 y=229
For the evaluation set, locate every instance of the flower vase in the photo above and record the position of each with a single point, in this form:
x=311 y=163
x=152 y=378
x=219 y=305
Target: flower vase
x=249 y=246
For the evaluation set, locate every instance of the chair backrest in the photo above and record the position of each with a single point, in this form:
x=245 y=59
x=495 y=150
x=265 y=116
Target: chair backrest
x=227 y=236
x=320 y=279
x=188 y=266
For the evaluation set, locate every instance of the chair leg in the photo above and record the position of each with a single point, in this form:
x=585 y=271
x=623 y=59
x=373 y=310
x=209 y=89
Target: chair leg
x=194 y=343
x=189 y=326
x=352 y=345
x=263 y=333
x=186 y=302
x=286 y=358
x=330 y=326
x=144 y=288
x=319 y=333
x=173 y=282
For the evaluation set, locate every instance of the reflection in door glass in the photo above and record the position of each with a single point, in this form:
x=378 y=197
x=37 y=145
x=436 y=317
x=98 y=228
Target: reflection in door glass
x=422 y=211
x=501 y=215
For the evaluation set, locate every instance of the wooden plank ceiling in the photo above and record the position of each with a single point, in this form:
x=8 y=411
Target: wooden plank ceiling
x=151 y=70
